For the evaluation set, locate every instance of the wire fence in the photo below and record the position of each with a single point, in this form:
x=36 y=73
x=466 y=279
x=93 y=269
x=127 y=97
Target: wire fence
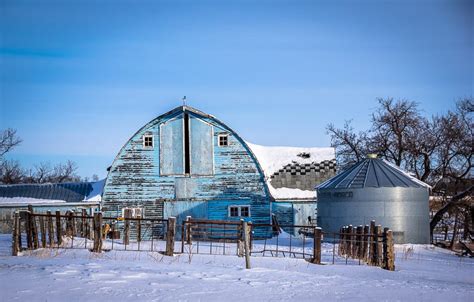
x=359 y=245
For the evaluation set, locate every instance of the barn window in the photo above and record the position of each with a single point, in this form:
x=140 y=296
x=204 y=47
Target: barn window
x=223 y=140
x=245 y=211
x=136 y=211
x=239 y=211
x=148 y=141
x=233 y=211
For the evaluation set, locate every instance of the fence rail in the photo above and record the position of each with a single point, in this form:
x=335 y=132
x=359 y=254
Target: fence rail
x=352 y=245
x=80 y=231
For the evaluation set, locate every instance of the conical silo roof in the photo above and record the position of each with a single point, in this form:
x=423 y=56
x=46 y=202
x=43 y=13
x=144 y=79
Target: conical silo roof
x=373 y=173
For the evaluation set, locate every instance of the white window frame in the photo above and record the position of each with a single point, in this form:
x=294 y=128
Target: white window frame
x=239 y=210
x=152 y=140
x=135 y=211
x=226 y=135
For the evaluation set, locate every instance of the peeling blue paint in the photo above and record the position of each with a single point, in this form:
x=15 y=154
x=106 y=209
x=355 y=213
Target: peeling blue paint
x=220 y=175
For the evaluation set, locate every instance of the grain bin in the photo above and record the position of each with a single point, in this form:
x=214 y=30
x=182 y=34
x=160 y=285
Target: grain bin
x=374 y=189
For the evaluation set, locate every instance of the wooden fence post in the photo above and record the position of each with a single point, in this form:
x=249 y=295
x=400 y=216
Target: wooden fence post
x=22 y=218
x=384 y=249
x=188 y=229
x=364 y=243
x=16 y=234
x=97 y=232
x=59 y=235
x=34 y=229
x=29 y=237
x=170 y=234
x=72 y=216
x=376 y=255
x=68 y=223
x=372 y=244
x=127 y=214
x=317 y=245
x=250 y=231
x=390 y=252
x=354 y=243
x=83 y=223
x=49 y=219
x=349 y=242
x=246 y=245
x=379 y=245
x=43 y=231
x=240 y=241
x=139 y=229
x=359 y=242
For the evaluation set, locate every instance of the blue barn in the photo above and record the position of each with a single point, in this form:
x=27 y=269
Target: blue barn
x=186 y=162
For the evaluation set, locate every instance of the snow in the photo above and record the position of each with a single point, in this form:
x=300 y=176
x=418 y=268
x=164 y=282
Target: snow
x=290 y=193
x=27 y=200
x=272 y=159
x=423 y=273
x=97 y=189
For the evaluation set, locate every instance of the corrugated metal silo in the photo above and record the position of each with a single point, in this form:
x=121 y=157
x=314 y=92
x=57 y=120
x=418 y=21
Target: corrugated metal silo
x=374 y=189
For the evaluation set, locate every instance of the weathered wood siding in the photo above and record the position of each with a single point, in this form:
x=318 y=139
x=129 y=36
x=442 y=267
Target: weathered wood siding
x=135 y=177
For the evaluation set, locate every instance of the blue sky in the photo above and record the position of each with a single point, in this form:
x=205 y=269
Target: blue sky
x=78 y=78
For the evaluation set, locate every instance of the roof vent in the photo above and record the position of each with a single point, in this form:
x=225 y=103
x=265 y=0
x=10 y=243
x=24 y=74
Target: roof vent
x=304 y=155
x=372 y=155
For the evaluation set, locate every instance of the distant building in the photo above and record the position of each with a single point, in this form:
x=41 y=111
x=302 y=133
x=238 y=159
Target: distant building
x=48 y=197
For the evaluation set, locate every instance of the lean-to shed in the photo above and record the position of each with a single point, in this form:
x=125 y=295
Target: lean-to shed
x=291 y=174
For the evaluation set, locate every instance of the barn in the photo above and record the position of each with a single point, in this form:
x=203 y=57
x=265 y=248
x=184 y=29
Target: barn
x=188 y=163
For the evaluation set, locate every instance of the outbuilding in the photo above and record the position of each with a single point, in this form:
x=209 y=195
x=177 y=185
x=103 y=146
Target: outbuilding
x=374 y=189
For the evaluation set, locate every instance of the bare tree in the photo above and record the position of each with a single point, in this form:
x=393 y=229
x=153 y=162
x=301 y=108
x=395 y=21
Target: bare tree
x=65 y=173
x=8 y=140
x=11 y=172
x=421 y=146
x=350 y=147
x=42 y=172
x=393 y=124
x=437 y=150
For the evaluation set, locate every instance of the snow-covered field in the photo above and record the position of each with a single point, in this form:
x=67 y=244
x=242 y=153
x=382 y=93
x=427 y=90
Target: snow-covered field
x=422 y=274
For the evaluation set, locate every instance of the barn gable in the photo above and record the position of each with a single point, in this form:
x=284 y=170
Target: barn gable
x=186 y=162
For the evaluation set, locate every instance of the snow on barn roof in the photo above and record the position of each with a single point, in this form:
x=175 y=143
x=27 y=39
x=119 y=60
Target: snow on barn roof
x=51 y=193
x=272 y=159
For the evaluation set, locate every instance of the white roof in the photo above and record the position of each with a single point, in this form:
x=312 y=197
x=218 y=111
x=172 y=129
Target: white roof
x=272 y=159
x=28 y=200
